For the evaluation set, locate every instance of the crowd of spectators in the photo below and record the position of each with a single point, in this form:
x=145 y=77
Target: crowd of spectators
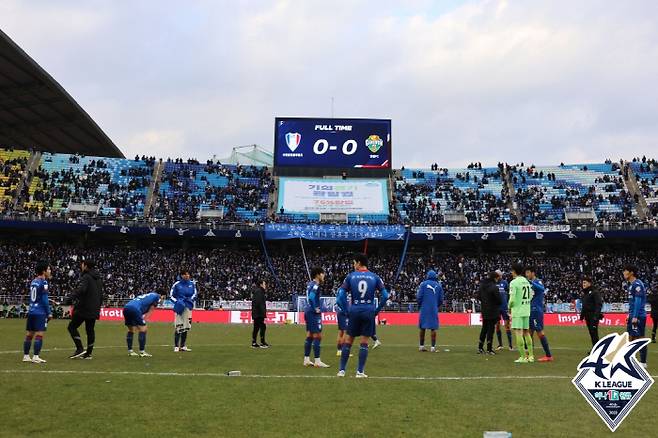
x=228 y=273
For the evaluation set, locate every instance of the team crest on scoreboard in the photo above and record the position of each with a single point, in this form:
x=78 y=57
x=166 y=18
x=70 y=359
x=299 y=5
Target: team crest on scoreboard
x=374 y=143
x=293 y=139
x=611 y=379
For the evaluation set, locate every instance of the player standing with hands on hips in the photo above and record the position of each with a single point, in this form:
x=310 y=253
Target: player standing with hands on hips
x=313 y=317
x=183 y=294
x=38 y=314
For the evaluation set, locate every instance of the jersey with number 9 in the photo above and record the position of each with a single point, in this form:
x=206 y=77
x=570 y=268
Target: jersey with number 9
x=362 y=286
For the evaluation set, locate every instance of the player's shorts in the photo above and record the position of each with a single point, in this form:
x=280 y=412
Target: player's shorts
x=639 y=329
x=504 y=315
x=313 y=321
x=428 y=323
x=132 y=317
x=361 y=323
x=343 y=320
x=183 y=322
x=36 y=323
x=521 y=322
x=537 y=321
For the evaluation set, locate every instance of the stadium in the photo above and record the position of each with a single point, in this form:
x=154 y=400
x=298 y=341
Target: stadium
x=221 y=268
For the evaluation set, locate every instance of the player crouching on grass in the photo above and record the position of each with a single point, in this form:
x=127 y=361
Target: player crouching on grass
x=429 y=298
x=520 y=293
x=183 y=294
x=313 y=317
x=133 y=315
x=38 y=314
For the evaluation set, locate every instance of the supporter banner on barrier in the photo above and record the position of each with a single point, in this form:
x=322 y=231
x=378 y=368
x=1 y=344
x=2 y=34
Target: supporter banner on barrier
x=244 y=317
x=167 y=315
x=334 y=232
x=302 y=195
x=492 y=229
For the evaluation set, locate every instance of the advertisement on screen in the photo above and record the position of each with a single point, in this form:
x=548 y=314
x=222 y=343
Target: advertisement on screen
x=304 y=195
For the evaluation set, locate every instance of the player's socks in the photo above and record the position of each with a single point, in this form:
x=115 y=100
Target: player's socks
x=339 y=346
x=499 y=336
x=129 y=340
x=363 y=356
x=142 y=340
x=509 y=337
x=519 y=345
x=374 y=338
x=528 y=342
x=183 y=339
x=544 y=344
x=177 y=339
x=307 y=347
x=421 y=338
x=316 y=348
x=643 y=353
x=433 y=339
x=27 y=344
x=38 y=342
x=345 y=355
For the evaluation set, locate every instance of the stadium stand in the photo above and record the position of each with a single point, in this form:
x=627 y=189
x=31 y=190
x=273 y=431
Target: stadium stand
x=646 y=173
x=12 y=169
x=542 y=193
x=188 y=188
x=117 y=186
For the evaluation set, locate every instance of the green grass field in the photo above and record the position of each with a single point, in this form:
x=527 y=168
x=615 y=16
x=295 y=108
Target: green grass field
x=452 y=393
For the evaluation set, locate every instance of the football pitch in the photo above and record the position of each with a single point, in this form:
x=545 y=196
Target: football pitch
x=452 y=393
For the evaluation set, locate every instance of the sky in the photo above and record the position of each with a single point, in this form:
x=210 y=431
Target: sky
x=527 y=81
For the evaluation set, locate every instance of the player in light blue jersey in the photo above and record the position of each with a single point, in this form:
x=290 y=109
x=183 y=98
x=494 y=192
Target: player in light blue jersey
x=503 y=288
x=133 y=315
x=537 y=312
x=38 y=314
x=637 y=314
x=313 y=317
x=362 y=285
x=429 y=298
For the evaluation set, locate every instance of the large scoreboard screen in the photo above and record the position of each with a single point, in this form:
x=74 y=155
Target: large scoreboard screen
x=332 y=143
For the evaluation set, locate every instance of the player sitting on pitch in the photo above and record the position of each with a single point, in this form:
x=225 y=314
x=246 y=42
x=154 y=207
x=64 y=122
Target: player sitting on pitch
x=537 y=312
x=38 y=314
x=520 y=293
x=133 y=316
x=313 y=317
x=362 y=284
x=429 y=298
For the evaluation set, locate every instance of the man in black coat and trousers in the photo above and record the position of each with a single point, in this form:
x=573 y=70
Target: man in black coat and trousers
x=591 y=310
x=86 y=301
x=258 y=310
x=490 y=302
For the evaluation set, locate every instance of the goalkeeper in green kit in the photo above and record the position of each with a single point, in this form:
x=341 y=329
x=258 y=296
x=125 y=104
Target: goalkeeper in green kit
x=520 y=294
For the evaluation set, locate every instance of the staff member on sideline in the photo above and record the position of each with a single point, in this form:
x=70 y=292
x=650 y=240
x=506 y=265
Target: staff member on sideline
x=258 y=311
x=591 y=310
x=490 y=302
x=86 y=301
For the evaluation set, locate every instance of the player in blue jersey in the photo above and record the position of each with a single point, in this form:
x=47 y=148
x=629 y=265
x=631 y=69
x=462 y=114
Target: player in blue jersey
x=183 y=294
x=637 y=314
x=38 y=314
x=503 y=288
x=537 y=312
x=133 y=315
x=429 y=298
x=362 y=284
x=313 y=317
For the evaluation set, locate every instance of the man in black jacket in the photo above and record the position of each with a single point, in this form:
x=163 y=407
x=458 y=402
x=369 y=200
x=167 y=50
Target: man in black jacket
x=258 y=311
x=591 y=310
x=490 y=301
x=86 y=301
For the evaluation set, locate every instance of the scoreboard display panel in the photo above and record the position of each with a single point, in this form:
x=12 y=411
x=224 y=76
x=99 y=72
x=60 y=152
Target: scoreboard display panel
x=332 y=143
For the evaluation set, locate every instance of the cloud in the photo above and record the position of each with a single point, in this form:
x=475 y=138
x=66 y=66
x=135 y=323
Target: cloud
x=463 y=81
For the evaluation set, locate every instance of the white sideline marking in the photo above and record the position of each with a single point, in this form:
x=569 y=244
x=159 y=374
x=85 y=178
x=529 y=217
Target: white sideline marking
x=276 y=376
